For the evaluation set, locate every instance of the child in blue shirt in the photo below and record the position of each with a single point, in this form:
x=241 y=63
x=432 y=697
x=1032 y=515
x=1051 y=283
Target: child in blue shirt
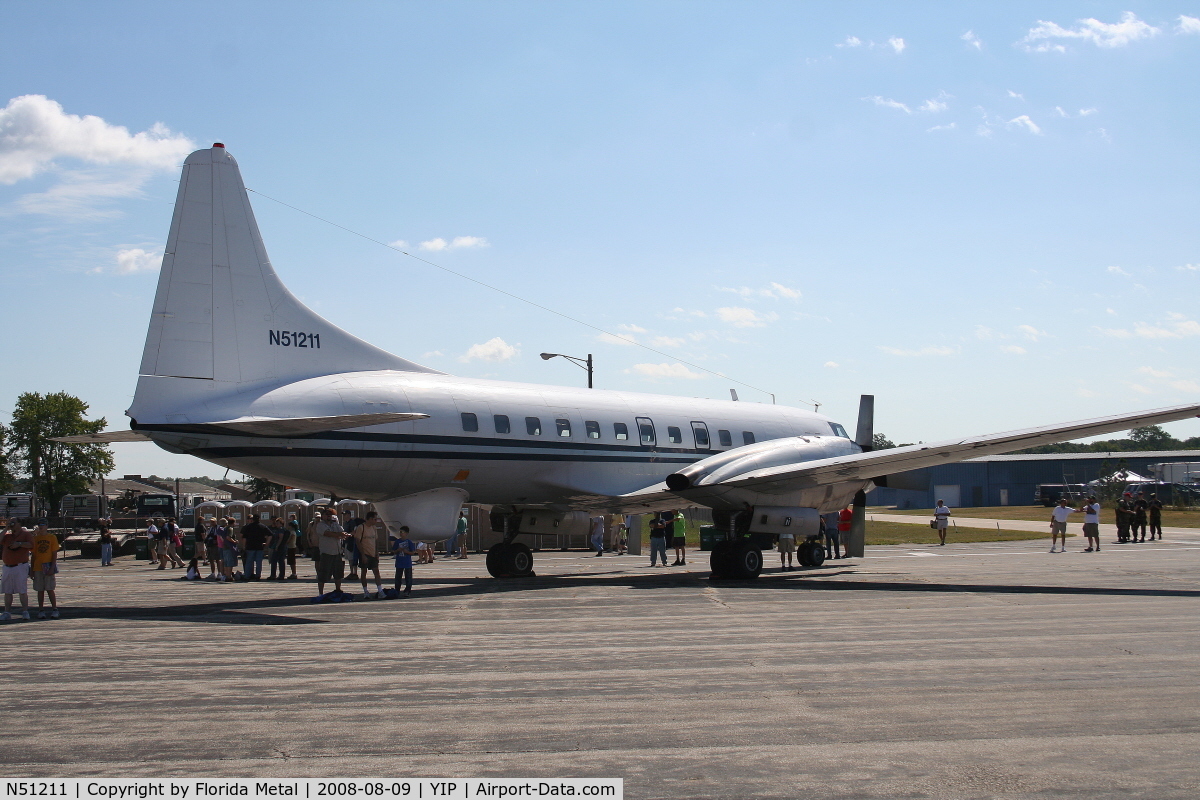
x=403 y=547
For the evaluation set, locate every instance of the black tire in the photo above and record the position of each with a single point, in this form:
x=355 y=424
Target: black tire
x=519 y=560
x=746 y=562
x=802 y=554
x=816 y=555
x=719 y=558
x=497 y=560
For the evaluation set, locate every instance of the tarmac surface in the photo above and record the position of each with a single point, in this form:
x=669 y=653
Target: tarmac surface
x=967 y=671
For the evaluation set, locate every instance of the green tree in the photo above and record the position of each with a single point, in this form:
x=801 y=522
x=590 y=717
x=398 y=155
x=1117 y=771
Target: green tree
x=6 y=478
x=55 y=469
x=1153 y=437
x=263 y=489
x=881 y=442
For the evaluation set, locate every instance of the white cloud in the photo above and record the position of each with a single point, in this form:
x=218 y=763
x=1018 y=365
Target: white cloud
x=1137 y=387
x=949 y=127
x=664 y=371
x=1189 y=268
x=1025 y=122
x=887 y=103
x=1083 y=112
x=924 y=351
x=399 y=244
x=970 y=38
x=82 y=193
x=1014 y=349
x=741 y=317
x=1016 y=95
x=1102 y=34
x=35 y=132
x=897 y=44
x=492 y=350
x=936 y=104
x=832 y=364
x=1191 y=387
x=136 y=259
x=984 y=131
x=1031 y=333
x=432 y=353
x=1115 y=270
x=1177 y=327
x=774 y=290
x=613 y=338
x=1086 y=112
x=851 y=41
x=457 y=243
x=667 y=341
x=1154 y=373
x=986 y=333
x=1188 y=24
x=631 y=328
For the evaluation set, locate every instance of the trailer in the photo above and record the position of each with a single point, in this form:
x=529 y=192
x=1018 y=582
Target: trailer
x=83 y=510
x=25 y=507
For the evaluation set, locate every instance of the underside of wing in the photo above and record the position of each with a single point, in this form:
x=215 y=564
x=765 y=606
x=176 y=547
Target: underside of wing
x=107 y=437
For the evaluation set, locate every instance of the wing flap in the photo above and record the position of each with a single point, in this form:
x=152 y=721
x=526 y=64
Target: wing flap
x=107 y=437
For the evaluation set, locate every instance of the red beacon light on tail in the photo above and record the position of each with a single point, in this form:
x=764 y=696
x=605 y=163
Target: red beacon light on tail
x=218 y=144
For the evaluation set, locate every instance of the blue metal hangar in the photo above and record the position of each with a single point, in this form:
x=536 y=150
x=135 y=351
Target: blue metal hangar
x=1011 y=480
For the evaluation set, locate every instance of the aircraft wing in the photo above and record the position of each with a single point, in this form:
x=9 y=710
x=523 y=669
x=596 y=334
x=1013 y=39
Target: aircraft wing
x=261 y=426
x=107 y=437
x=864 y=466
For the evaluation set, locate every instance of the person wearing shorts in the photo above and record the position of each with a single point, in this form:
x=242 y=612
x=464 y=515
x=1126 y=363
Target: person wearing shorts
x=366 y=537
x=787 y=546
x=941 y=515
x=15 y=548
x=330 y=566
x=1058 y=524
x=43 y=567
x=1091 y=525
x=679 y=537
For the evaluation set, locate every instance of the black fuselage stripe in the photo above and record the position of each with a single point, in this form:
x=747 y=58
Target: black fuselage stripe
x=412 y=438
x=332 y=452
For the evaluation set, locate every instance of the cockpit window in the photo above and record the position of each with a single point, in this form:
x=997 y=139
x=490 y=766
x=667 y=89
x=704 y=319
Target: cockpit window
x=838 y=430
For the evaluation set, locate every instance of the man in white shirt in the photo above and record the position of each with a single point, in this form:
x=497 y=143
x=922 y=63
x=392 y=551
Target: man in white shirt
x=941 y=516
x=1058 y=524
x=1091 y=524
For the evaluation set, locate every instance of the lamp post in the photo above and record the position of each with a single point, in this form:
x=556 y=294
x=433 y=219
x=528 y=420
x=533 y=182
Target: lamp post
x=583 y=363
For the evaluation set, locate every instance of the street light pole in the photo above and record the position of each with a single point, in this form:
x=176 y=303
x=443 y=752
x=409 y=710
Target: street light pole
x=583 y=363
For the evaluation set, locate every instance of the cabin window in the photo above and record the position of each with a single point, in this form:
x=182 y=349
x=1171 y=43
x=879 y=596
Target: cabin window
x=646 y=431
x=533 y=426
x=501 y=423
x=747 y=437
x=700 y=433
x=564 y=427
x=621 y=431
x=593 y=429
x=838 y=430
x=725 y=439
x=674 y=436
x=470 y=422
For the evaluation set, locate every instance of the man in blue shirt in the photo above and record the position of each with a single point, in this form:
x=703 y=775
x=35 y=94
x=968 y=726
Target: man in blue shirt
x=403 y=548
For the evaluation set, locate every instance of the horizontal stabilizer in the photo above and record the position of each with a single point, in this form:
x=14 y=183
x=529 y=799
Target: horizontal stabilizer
x=107 y=437
x=300 y=426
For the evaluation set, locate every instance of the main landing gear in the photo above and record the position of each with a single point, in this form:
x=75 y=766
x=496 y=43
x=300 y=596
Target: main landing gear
x=811 y=553
x=735 y=560
x=510 y=560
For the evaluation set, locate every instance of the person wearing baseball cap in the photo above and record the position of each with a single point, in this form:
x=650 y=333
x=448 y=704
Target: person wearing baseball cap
x=44 y=567
x=15 y=547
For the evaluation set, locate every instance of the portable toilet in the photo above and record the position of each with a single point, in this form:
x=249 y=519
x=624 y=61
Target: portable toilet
x=210 y=509
x=298 y=510
x=264 y=510
x=239 y=511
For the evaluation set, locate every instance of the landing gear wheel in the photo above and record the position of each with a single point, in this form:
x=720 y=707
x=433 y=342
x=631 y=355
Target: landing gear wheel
x=509 y=560
x=816 y=554
x=520 y=560
x=718 y=560
x=746 y=562
x=803 y=554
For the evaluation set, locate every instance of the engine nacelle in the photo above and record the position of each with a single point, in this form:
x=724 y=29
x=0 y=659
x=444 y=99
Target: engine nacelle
x=802 y=522
x=772 y=453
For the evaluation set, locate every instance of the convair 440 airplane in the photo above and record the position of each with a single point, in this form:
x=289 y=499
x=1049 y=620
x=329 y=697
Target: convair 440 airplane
x=239 y=372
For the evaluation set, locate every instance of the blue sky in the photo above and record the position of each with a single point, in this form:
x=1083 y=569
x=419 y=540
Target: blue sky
x=984 y=214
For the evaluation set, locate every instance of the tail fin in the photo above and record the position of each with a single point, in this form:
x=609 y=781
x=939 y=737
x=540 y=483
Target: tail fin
x=221 y=314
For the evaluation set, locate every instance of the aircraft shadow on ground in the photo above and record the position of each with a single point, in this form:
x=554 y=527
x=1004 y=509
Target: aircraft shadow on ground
x=260 y=611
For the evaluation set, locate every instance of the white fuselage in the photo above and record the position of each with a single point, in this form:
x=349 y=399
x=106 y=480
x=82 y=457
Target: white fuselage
x=503 y=443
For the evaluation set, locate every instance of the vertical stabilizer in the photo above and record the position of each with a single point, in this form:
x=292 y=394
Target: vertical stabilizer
x=220 y=313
